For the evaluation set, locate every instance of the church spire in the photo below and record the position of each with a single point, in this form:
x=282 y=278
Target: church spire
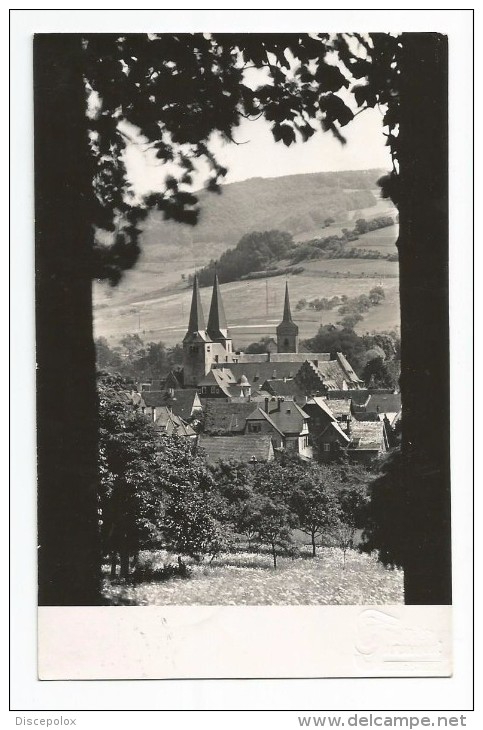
x=287 y=314
x=217 y=327
x=197 y=319
x=287 y=330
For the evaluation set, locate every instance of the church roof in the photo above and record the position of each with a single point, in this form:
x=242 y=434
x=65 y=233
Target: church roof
x=287 y=325
x=196 y=325
x=217 y=326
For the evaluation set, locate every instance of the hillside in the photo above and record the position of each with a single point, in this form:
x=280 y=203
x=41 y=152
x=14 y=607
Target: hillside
x=153 y=298
x=293 y=203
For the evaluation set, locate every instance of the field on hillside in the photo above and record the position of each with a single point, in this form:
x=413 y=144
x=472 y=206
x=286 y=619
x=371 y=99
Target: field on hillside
x=254 y=308
x=153 y=299
x=249 y=579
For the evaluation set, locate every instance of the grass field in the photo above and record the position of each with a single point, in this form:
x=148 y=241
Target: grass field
x=250 y=579
x=254 y=308
x=153 y=300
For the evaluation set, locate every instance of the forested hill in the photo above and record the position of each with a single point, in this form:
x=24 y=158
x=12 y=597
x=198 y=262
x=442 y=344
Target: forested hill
x=293 y=203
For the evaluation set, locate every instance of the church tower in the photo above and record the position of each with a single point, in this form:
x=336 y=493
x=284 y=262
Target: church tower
x=287 y=330
x=196 y=342
x=217 y=329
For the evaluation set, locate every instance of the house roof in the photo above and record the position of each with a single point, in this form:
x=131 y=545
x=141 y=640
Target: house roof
x=237 y=448
x=367 y=435
x=359 y=397
x=285 y=387
x=384 y=403
x=339 y=407
x=260 y=414
x=227 y=416
x=180 y=401
x=321 y=403
x=258 y=372
x=277 y=357
x=335 y=374
x=286 y=416
x=347 y=367
x=171 y=424
x=221 y=377
x=365 y=416
x=334 y=426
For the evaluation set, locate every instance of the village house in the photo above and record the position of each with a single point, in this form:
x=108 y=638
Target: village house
x=183 y=402
x=168 y=423
x=368 y=441
x=382 y=405
x=285 y=422
x=329 y=429
x=224 y=418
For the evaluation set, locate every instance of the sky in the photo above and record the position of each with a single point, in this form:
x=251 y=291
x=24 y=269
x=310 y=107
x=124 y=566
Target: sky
x=260 y=156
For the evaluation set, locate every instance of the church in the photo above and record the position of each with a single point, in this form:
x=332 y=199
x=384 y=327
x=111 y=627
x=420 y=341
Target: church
x=215 y=369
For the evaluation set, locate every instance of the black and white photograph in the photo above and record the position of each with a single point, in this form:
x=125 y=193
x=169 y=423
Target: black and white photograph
x=242 y=344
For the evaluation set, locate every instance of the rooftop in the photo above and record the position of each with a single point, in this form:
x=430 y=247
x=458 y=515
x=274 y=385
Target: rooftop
x=367 y=435
x=236 y=448
x=227 y=416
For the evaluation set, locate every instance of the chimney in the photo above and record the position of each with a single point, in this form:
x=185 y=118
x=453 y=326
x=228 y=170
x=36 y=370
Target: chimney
x=266 y=405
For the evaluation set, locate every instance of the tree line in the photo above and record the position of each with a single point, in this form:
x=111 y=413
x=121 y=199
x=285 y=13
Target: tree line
x=259 y=251
x=352 y=309
x=253 y=252
x=335 y=246
x=137 y=359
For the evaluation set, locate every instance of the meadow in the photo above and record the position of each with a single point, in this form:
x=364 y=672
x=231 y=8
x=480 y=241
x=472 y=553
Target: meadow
x=153 y=299
x=249 y=579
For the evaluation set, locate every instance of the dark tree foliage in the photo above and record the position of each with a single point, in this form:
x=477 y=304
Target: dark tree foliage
x=388 y=514
x=137 y=359
x=380 y=374
x=131 y=495
x=177 y=90
x=195 y=521
x=314 y=501
x=253 y=252
x=389 y=342
x=339 y=339
x=258 y=347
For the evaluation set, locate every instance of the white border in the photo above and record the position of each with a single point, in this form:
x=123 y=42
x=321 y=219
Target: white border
x=27 y=692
